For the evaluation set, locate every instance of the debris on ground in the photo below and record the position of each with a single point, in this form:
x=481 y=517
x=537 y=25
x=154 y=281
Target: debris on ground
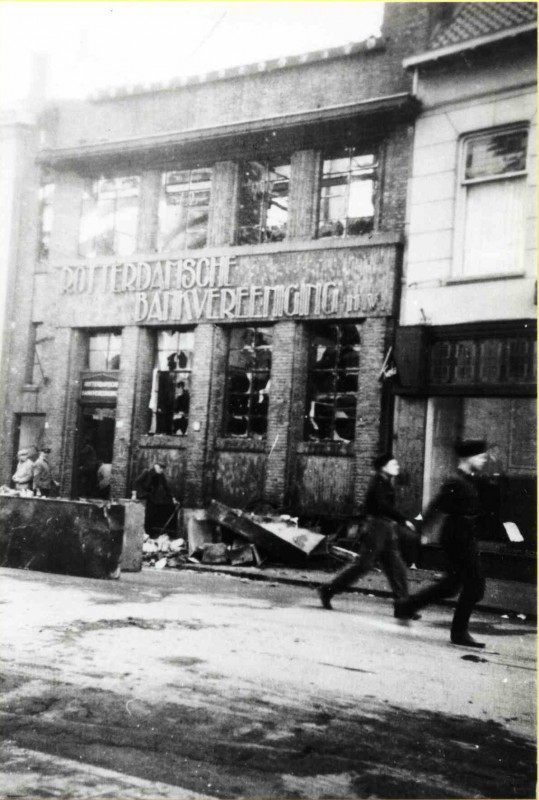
x=279 y=538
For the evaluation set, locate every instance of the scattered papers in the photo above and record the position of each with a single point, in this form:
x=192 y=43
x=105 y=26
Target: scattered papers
x=512 y=531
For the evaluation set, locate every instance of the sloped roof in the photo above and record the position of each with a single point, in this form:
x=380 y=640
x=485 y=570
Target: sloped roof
x=473 y=20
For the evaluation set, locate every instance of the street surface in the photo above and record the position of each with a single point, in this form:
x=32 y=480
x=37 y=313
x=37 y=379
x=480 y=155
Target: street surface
x=184 y=685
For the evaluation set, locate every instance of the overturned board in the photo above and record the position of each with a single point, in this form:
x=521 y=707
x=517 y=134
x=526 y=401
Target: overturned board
x=276 y=539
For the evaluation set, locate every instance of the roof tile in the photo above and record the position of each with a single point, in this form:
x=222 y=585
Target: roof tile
x=471 y=20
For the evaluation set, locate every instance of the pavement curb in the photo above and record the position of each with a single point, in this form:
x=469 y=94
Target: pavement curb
x=314 y=584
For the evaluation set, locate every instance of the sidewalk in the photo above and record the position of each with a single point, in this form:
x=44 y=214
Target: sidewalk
x=501 y=596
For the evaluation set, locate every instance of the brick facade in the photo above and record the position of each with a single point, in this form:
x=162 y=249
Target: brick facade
x=301 y=110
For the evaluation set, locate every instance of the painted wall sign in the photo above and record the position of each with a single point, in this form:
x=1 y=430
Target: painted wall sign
x=193 y=289
x=99 y=388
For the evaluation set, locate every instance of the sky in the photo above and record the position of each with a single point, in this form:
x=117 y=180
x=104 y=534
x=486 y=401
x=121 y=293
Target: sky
x=95 y=45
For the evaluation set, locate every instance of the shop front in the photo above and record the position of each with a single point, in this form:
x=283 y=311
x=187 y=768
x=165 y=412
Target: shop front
x=471 y=381
x=253 y=392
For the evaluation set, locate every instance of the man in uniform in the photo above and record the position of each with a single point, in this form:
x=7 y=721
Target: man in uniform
x=380 y=542
x=42 y=478
x=458 y=509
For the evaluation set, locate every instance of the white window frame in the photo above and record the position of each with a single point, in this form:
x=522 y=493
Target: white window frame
x=459 y=262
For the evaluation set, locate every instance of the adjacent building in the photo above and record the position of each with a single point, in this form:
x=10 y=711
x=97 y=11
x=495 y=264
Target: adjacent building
x=211 y=278
x=466 y=345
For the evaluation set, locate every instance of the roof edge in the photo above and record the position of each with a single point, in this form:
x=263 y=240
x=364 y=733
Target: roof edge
x=132 y=144
x=471 y=44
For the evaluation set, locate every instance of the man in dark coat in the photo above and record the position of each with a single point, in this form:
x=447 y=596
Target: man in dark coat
x=459 y=504
x=160 y=515
x=380 y=540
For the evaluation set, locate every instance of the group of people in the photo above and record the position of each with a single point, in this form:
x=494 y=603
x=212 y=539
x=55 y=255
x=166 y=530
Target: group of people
x=457 y=511
x=34 y=476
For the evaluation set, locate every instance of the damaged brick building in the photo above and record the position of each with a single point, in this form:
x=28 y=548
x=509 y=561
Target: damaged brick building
x=210 y=278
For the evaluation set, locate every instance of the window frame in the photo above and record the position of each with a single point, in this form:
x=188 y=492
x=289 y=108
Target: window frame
x=250 y=436
x=159 y=246
x=156 y=371
x=108 y=333
x=350 y=151
x=271 y=165
x=88 y=192
x=459 y=271
x=46 y=192
x=338 y=372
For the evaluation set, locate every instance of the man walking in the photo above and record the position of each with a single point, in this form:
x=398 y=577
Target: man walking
x=380 y=540
x=459 y=506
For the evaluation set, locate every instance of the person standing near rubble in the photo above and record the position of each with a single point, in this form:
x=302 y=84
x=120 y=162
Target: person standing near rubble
x=380 y=542
x=161 y=506
x=458 y=511
x=42 y=482
x=23 y=476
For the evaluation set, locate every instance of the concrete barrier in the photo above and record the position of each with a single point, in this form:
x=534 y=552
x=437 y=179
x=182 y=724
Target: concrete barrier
x=69 y=537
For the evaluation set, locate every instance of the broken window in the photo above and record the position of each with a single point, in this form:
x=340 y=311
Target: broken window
x=46 y=193
x=171 y=382
x=109 y=217
x=263 y=211
x=332 y=382
x=348 y=193
x=248 y=382
x=104 y=351
x=184 y=209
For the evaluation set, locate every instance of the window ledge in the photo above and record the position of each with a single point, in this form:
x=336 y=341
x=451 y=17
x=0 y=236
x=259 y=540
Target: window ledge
x=241 y=445
x=326 y=448
x=30 y=388
x=163 y=440
x=495 y=276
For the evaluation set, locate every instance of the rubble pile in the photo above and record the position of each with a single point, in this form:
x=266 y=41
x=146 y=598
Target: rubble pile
x=223 y=535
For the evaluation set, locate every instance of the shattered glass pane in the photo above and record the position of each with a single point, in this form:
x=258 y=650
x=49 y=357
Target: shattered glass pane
x=263 y=208
x=332 y=383
x=248 y=382
x=184 y=209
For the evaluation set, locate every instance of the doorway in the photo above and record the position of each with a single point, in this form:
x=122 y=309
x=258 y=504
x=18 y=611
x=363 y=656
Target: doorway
x=95 y=448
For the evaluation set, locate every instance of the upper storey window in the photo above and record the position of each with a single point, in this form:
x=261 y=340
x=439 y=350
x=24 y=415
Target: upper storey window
x=493 y=182
x=109 y=217
x=184 y=209
x=104 y=351
x=348 y=193
x=263 y=212
x=46 y=193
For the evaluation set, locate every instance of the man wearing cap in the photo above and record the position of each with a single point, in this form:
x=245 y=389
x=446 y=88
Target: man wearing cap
x=42 y=478
x=380 y=540
x=459 y=505
x=23 y=475
x=161 y=506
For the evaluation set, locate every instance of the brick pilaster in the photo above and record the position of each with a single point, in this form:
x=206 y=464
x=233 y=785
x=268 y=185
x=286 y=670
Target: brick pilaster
x=280 y=412
x=224 y=204
x=132 y=368
x=150 y=188
x=70 y=348
x=367 y=440
x=304 y=194
x=199 y=419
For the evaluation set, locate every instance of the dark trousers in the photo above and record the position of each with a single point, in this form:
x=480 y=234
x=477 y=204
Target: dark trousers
x=464 y=574
x=380 y=543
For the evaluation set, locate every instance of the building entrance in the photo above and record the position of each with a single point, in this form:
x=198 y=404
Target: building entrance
x=95 y=448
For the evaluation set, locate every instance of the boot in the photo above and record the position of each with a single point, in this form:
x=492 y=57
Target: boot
x=465 y=640
x=403 y=612
x=325 y=594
